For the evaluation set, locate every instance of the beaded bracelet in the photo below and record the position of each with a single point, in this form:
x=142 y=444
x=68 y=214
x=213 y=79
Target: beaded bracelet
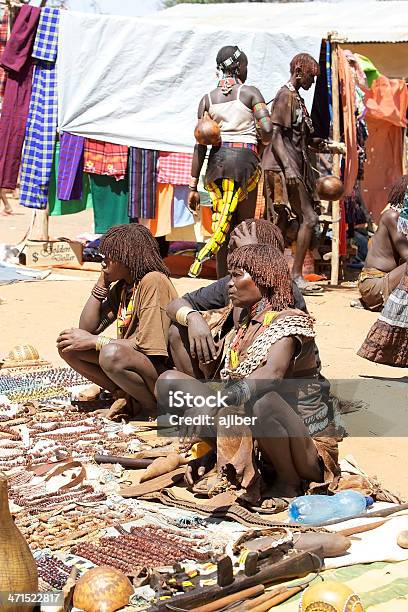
x=102 y=341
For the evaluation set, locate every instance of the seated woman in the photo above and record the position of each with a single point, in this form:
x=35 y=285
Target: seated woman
x=290 y=424
x=133 y=290
x=202 y=319
x=387 y=340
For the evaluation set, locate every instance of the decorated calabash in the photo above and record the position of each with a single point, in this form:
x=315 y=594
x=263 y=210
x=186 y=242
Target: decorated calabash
x=330 y=596
x=23 y=352
x=102 y=589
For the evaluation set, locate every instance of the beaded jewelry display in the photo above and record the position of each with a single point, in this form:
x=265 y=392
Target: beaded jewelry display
x=144 y=547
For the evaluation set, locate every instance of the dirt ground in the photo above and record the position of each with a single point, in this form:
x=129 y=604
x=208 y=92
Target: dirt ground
x=35 y=312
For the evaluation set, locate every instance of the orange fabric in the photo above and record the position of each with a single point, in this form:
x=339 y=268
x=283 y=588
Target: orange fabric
x=206 y=218
x=161 y=224
x=347 y=89
x=387 y=103
x=383 y=166
x=387 y=100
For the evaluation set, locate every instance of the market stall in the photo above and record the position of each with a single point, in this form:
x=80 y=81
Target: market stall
x=111 y=525
x=119 y=101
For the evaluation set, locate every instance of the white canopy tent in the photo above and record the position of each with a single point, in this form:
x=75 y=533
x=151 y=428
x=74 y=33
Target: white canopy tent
x=138 y=81
x=131 y=8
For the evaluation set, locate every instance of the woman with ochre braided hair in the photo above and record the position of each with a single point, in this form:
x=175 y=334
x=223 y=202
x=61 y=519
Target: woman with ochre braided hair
x=133 y=290
x=233 y=168
x=271 y=376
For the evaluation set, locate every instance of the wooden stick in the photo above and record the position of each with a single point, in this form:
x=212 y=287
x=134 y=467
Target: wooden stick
x=334 y=279
x=226 y=601
x=258 y=601
x=268 y=600
x=127 y=462
x=377 y=513
x=39 y=230
x=362 y=528
x=290 y=592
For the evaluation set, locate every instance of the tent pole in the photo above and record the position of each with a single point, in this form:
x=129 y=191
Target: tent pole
x=39 y=228
x=336 y=161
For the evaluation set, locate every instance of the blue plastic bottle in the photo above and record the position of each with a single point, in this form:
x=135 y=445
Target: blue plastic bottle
x=316 y=509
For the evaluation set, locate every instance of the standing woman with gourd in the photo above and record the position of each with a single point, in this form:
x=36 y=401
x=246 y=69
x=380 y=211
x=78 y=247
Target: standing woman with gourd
x=232 y=118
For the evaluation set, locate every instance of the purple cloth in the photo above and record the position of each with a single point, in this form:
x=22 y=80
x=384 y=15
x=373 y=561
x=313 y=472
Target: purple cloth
x=70 y=167
x=142 y=183
x=17 y=61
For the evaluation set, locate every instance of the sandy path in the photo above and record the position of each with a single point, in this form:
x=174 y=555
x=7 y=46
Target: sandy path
x=35 y=312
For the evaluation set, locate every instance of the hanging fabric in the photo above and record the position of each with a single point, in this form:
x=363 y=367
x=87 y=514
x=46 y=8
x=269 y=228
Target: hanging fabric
x=70 y=166
x=67 y=206
x=387 y=103
x=39 y=144
x=105 y=158
x=348 y=96
x=142 y=183
x=174 y=168
x=17 y=60
x=161 y=224
x=4 y=31
x=110 y=202
x=181 y=214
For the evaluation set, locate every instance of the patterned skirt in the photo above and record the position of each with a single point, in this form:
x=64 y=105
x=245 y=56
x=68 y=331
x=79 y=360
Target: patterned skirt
x=387 y=340
x=232 y=173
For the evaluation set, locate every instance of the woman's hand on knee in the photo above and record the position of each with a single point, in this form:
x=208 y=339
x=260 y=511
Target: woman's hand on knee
x=76 y=340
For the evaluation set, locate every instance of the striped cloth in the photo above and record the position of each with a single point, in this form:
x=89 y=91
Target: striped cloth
x=142 y=183
x=174 y=168
x=4 y=30
x=70 y=167
x=382 y=587
x=105 y=158
x=38 y=152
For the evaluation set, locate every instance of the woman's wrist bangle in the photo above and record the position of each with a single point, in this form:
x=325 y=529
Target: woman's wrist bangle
x=239 y=393
x=100 y=293
x=182 y=314
x=193 y=182
x=102 y=341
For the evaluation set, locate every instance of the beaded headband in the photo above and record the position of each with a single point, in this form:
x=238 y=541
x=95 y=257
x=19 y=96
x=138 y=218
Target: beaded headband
x=230 y=60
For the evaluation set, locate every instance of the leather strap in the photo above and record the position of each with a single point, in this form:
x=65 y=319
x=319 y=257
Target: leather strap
x=68 y=466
